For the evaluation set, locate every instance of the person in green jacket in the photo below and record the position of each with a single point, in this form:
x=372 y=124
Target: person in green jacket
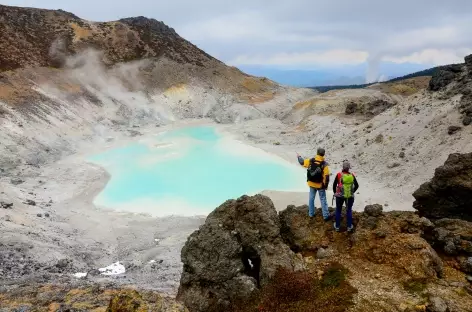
x=345 y=186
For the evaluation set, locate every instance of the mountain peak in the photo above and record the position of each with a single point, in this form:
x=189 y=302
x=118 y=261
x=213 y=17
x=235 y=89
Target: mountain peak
x=28 y=34
x=148 y=23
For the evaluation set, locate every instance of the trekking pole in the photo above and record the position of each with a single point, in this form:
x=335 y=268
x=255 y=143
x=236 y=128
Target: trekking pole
x=332 y=201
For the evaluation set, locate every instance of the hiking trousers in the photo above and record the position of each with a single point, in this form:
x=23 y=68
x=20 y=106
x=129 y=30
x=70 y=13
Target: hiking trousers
x=339 y=207
x=323 y=200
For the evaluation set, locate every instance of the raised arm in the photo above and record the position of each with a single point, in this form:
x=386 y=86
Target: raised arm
x=301 y=161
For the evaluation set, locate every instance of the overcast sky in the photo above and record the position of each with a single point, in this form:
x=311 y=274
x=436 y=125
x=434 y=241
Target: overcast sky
x=302 y=33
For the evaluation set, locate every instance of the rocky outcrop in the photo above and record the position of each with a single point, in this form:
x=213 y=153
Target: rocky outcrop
x=468 y=61
x=459 y=76
x=369 y=109
x=298 y=231
x=239 y=260
x=465 y=107
x=453 y=129
x=383 y=238
x=237 y=250
x=447 y=195
x=444 y=76
x=453 y=236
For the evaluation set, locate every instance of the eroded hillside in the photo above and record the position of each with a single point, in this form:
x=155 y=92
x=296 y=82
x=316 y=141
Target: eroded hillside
x=74 y=80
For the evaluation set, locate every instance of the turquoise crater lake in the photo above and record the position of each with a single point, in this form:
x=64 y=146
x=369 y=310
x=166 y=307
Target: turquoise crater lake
x=190 y=171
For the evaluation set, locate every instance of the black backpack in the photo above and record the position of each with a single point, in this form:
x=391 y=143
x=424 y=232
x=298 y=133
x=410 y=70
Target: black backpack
x=315 y=171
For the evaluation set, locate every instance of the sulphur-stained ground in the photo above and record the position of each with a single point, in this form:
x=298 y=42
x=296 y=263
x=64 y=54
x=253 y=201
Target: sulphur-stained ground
x=96 y=298
x=388 y=262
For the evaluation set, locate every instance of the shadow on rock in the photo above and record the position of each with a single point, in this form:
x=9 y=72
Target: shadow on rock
x=236 y=251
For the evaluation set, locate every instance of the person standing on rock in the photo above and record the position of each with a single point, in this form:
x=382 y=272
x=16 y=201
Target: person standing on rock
x=317 y=180
x=345 y=186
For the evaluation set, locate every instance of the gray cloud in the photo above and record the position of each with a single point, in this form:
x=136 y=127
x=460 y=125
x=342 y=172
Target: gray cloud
x=309 y=32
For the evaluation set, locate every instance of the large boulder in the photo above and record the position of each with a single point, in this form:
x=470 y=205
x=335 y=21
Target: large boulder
x=448 y=194
x=444 y=76
x=370 y=108
x=468 y=61
x=465 y=106
x=236 y=251
x=452 y=237
x=298 y=231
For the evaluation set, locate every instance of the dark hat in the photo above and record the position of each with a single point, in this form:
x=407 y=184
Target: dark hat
x=321 y=151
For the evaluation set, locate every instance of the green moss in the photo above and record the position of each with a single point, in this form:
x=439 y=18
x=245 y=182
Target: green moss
x=127 y=301
x=84 y=306
x=415 y=286
x=334 y=276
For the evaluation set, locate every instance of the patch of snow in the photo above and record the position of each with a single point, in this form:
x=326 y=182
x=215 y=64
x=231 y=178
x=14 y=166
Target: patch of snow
x=80 y=275
x=113 y=269
x=152 y=261
x=250 y=263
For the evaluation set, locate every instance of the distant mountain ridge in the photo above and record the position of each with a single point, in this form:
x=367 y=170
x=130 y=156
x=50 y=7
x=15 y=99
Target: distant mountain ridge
x=330 y=76
x=426 y=72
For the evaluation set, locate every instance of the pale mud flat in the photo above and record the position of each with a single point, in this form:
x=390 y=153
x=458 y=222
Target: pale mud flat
x=91 y=237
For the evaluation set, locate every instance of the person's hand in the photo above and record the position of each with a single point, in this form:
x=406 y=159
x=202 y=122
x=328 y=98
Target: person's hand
x=298 y=155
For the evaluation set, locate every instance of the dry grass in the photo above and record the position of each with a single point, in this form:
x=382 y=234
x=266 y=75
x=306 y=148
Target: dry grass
x=51 y=298
x=405 y=87
x=258 y=98
x=15 y=92
x=256 y=90
x=322 y=102
x=80 y=32
x=177 y=89
x=304 y=104
x=305 y=291
x=255 y=85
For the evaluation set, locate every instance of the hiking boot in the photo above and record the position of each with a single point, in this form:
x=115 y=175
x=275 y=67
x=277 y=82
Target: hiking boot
x=328 y=218
x=350 y=229
x=335 y=228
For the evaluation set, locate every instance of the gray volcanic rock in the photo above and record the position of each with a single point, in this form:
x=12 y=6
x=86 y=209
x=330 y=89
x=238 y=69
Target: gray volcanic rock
x=444 y=76
x=369 y=109
x=447 y=195
x=453 y=236
x=468 y=61
x=237 y=250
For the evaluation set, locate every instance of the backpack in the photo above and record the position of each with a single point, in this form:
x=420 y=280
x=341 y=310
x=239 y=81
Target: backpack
x=345 y=185
x=315 y=171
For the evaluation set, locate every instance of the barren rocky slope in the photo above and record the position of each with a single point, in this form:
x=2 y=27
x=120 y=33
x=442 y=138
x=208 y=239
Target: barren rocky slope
x=69 y=86
x=395 y=134
x=75 y=80
x=34 y=38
